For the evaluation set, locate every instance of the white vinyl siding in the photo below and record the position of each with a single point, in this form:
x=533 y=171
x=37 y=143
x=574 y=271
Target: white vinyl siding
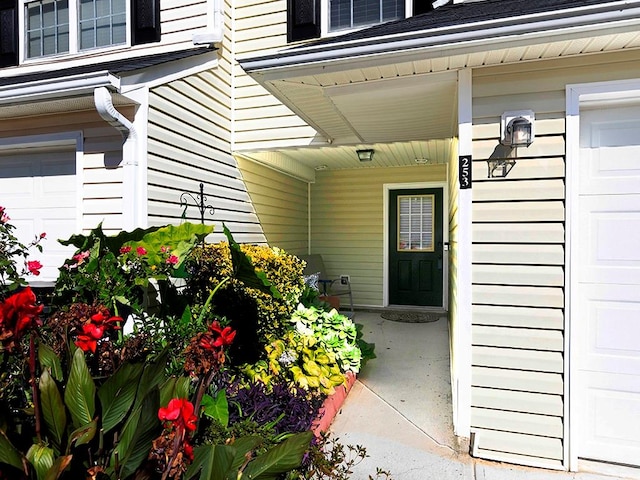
x=189 y=142
x=261 y=121
x=347 y=227
x=518 y=246
x=518 y=357
x=281 y=204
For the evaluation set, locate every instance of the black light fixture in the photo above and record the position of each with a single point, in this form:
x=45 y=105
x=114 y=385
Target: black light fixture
x=365 y=155
x=517 y=128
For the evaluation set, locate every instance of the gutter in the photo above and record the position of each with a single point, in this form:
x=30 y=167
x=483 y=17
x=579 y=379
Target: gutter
x=40 y=90
x=131 y=194
x=583 y=20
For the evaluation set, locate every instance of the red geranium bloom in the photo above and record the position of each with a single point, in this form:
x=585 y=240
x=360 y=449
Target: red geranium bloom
x=172 y=260
x=124 y=250
x=141 y=251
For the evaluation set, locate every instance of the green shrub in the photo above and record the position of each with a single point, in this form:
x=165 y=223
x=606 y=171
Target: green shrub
x=254 y=314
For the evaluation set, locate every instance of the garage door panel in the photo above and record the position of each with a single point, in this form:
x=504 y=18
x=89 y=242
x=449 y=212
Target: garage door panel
x=610 y=160
x=616 y=416
x=611 y=235
x=612 y=329
x=38 y=190
x=607 y=317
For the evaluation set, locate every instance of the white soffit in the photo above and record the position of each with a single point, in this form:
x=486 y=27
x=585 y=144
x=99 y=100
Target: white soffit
x=382 y=110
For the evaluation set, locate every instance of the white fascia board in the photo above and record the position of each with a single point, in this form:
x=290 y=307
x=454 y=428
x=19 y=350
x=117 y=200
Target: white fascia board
x=500 y=33
x=50 y=89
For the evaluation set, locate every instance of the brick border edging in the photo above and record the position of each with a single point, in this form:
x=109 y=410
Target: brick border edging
x=332 y=405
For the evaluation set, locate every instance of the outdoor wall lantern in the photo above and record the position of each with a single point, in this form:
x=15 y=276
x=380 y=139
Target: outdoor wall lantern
x=516 y=130
x=365 y=155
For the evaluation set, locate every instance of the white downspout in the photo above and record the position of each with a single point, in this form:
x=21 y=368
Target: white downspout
x=130 y=189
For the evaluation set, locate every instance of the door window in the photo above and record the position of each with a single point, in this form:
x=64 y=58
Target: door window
x=415 y=223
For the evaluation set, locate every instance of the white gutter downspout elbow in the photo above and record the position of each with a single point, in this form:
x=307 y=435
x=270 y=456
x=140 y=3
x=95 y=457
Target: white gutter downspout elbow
x=215 y=31
x=130 y=190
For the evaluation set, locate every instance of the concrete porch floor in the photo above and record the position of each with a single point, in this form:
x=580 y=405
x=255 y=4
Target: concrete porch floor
x=400 y=410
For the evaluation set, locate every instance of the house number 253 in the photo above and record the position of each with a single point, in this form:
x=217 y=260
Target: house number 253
x=464 y=171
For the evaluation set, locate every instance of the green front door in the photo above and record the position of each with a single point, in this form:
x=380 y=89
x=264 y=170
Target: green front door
x=415 y=247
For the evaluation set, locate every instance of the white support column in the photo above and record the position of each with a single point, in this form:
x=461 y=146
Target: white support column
x=462 y=326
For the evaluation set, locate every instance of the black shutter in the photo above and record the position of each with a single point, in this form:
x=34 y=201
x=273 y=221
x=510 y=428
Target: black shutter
x=146 y=21
x=303 y=19
x=8 y=33
x=422 y=6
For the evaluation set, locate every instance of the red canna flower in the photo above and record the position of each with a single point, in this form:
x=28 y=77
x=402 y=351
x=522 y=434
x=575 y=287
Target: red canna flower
x=86 y=343
x=34 y=267
x=227 y=334
x=94 y=330
x=179 y=411
x=18 y=314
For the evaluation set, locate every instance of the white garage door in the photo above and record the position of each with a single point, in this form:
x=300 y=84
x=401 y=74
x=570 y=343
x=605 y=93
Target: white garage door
x=608 y=296
x=38 y=190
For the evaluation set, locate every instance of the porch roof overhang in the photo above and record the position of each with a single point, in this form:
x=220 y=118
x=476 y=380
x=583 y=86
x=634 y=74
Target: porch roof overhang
x=396 y=83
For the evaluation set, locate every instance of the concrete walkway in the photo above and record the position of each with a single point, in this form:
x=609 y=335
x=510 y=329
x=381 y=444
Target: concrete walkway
x=399 y=409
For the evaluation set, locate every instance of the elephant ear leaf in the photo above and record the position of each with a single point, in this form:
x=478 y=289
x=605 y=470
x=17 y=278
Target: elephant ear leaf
x=244 y=270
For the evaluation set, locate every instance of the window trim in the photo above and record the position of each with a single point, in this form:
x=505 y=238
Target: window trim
x=74 y=35
x=325 y=17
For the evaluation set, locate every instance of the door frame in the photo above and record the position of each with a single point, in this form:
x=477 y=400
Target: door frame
x=387 y=187
x=577 y=95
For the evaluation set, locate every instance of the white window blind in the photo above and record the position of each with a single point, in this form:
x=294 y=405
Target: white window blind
x=415 y=222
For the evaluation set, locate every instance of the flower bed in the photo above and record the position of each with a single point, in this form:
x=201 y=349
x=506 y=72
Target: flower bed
x=231 y=376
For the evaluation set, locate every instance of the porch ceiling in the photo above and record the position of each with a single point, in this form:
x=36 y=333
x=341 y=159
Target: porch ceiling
x=303 y=162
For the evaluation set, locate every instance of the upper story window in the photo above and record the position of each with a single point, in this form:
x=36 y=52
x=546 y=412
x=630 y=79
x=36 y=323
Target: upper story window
x=308 y=19
x=31 y=29
x=55 y=27
x=346 y=14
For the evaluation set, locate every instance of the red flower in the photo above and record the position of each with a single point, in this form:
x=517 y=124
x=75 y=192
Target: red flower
x=86 y=343
x=124 y=250
x=18 y=313
x=80 y=257
x=94 y=329
x=34 y=267
x=227 y=334
x=172 y=260
x=43 y=234
x=188 y=451
x=179 y=411
x=141 y=251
